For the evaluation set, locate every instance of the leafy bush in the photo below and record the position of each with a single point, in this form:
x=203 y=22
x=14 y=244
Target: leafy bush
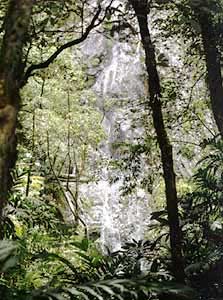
x=202 y=219
x=99 y=279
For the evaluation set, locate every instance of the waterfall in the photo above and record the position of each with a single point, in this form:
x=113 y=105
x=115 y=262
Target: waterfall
x=118 y=78
x=110 y=223
x=118 y=72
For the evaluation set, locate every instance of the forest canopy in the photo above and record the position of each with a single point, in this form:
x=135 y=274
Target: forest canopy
x=111 y=151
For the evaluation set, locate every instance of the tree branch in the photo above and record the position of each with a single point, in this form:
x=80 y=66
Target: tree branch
x=45 y=64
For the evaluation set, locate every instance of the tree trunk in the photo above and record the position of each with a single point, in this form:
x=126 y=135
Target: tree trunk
x=141 y=8
x=213 y=65
x=16 y=24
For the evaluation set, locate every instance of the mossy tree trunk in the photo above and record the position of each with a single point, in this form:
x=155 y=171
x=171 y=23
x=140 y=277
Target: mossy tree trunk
x=213 y=65
x=141 y=9
x=16 y=25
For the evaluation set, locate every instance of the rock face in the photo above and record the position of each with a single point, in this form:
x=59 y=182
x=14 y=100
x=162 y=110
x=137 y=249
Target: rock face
x=116 y=72
x=121 y=74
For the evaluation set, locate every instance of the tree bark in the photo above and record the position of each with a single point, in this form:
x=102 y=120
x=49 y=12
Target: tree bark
x=213 y=65
x=141 y=9
x=16 y=25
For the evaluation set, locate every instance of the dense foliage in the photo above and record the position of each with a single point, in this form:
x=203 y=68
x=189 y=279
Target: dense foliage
x=66 y=128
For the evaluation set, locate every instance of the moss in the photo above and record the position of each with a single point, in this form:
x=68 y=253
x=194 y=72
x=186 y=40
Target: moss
x=184 y=187
x=158 y=196
x=187 y=151
x=95 y=61
x=90 y=81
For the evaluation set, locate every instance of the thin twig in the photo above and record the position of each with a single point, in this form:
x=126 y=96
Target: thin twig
x=56 y=177
x=31 y=159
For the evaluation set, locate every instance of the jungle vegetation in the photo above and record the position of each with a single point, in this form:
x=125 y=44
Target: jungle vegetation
x=51 y=127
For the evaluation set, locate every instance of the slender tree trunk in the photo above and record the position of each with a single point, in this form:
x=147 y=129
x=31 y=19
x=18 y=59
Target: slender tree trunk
x=16 y=24
x=141 y=9
x=213 y=65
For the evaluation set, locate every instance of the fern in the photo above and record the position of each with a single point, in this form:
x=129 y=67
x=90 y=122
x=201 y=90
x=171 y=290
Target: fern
x=8 y=257
x=116 y=289
x=201 y=209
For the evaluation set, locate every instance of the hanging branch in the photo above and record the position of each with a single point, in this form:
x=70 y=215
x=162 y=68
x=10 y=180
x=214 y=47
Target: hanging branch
x=55 y=176
x=74 y=212
x=74 y=197
x=68 y=139
x=31 y=159
x=93 y=24
x=204 y=124
x=45 y=64
x=186 y=108
x=61 y=168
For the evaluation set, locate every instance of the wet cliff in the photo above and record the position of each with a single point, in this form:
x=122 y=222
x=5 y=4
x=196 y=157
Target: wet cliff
x=114 y=65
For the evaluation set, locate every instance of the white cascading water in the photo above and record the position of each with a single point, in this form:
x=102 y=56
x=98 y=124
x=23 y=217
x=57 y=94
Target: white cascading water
x=118 y=218
x=110 y=223
x=120 y=74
